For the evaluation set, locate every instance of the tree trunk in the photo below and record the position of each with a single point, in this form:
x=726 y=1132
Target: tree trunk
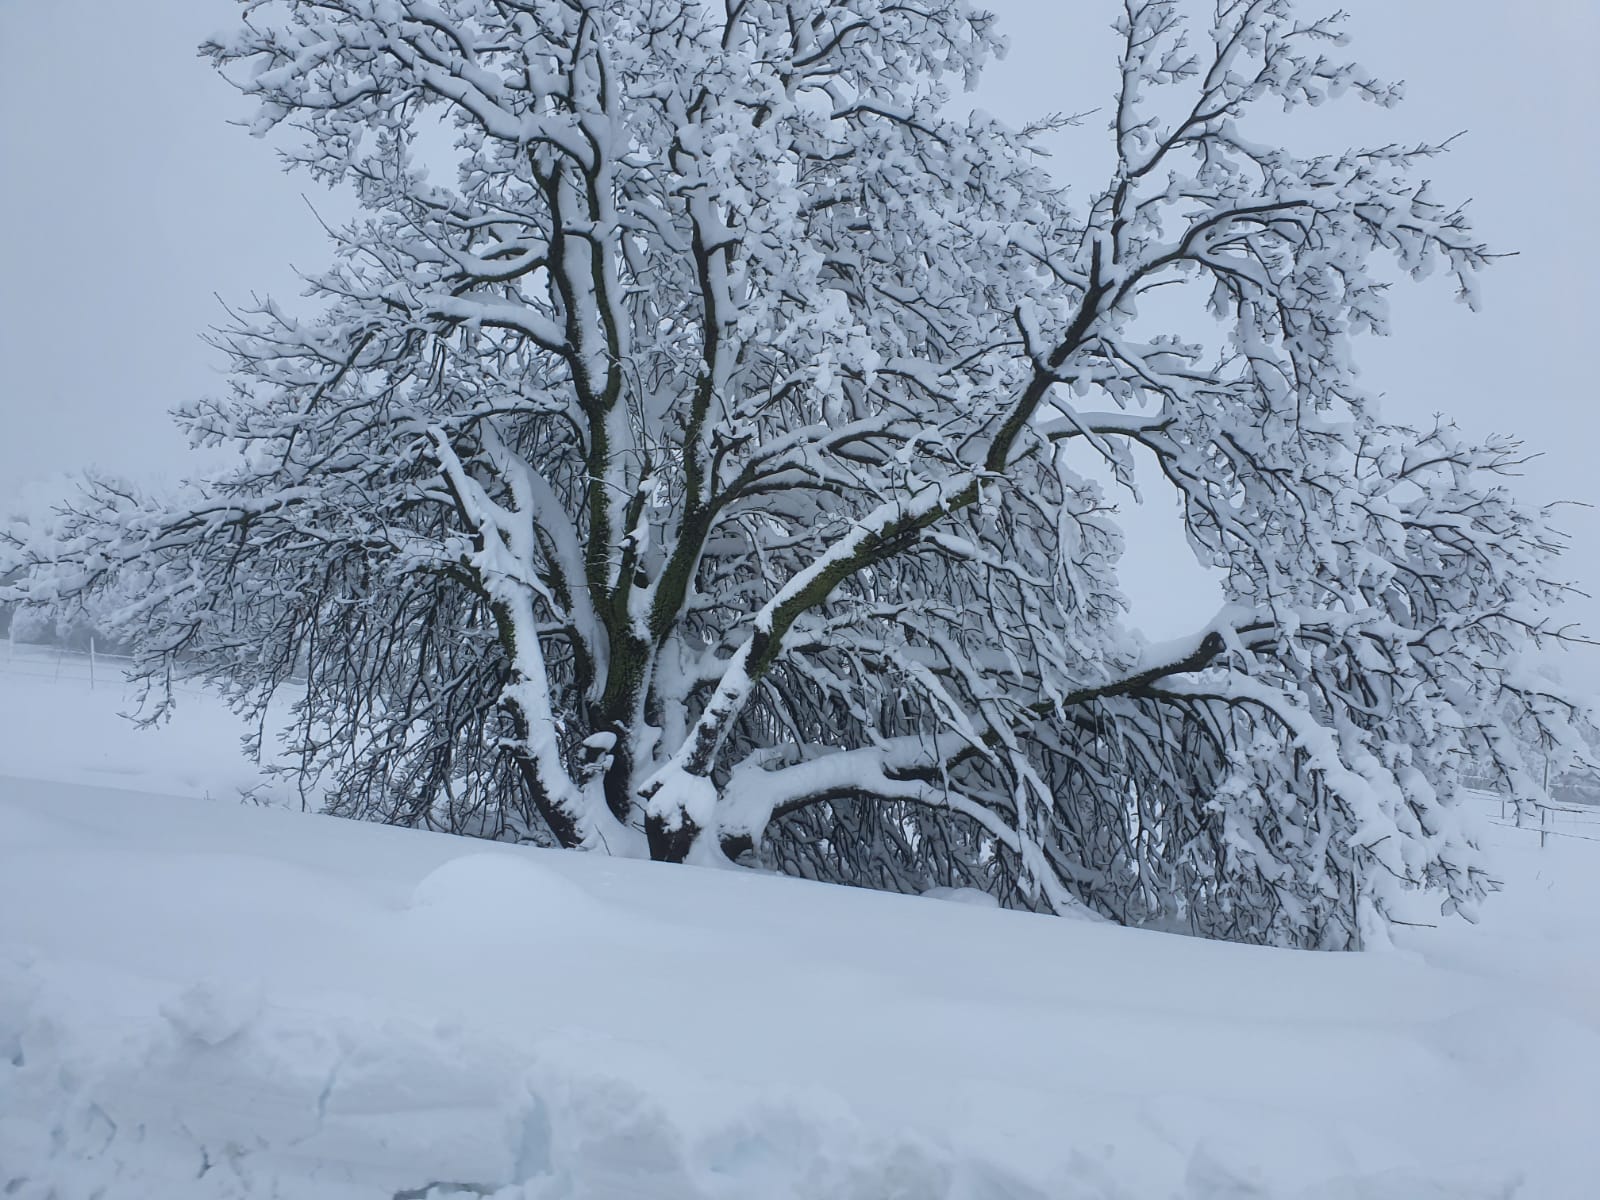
x=670 y=845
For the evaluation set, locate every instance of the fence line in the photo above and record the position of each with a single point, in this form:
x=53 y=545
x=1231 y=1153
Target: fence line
x=59 y=664
x=1551 y=816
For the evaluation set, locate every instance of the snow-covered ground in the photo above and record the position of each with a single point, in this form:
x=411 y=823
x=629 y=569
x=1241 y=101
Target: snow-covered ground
x=202 y=998
x=67 y=718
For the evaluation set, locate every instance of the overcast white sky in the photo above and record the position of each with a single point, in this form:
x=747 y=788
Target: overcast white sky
x=129 y=205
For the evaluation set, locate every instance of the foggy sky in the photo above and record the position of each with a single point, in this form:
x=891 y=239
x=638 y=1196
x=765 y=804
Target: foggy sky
x=128 y=205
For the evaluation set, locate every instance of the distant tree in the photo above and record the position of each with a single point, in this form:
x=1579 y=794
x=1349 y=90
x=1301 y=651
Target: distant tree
x=702 y=470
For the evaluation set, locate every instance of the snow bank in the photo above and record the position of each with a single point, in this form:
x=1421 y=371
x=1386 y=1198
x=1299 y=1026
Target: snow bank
x=203 y=999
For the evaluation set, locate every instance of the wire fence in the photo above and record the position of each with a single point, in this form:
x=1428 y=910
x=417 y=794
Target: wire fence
x=93 y=667
x=1578 y=787
x=1548 y=821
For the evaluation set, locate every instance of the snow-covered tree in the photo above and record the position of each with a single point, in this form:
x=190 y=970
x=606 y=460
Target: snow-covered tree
x=708 y=469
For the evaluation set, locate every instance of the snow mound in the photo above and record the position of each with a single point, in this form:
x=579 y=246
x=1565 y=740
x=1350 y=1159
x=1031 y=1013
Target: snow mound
x=214 y=1011
x=498 y=887
x=972 y=896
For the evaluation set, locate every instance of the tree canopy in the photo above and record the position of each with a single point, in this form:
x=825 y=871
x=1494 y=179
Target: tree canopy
x=720 y=464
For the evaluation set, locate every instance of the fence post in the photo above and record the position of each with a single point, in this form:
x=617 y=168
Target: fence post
x=1544 y=820
x=91 y=662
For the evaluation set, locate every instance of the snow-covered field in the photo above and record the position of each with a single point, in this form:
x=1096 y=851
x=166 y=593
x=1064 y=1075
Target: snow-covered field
x=203 y=998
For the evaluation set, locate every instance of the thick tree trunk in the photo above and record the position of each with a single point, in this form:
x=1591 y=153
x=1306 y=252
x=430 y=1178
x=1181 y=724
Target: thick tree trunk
x=670 y=845
x=562 y=827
